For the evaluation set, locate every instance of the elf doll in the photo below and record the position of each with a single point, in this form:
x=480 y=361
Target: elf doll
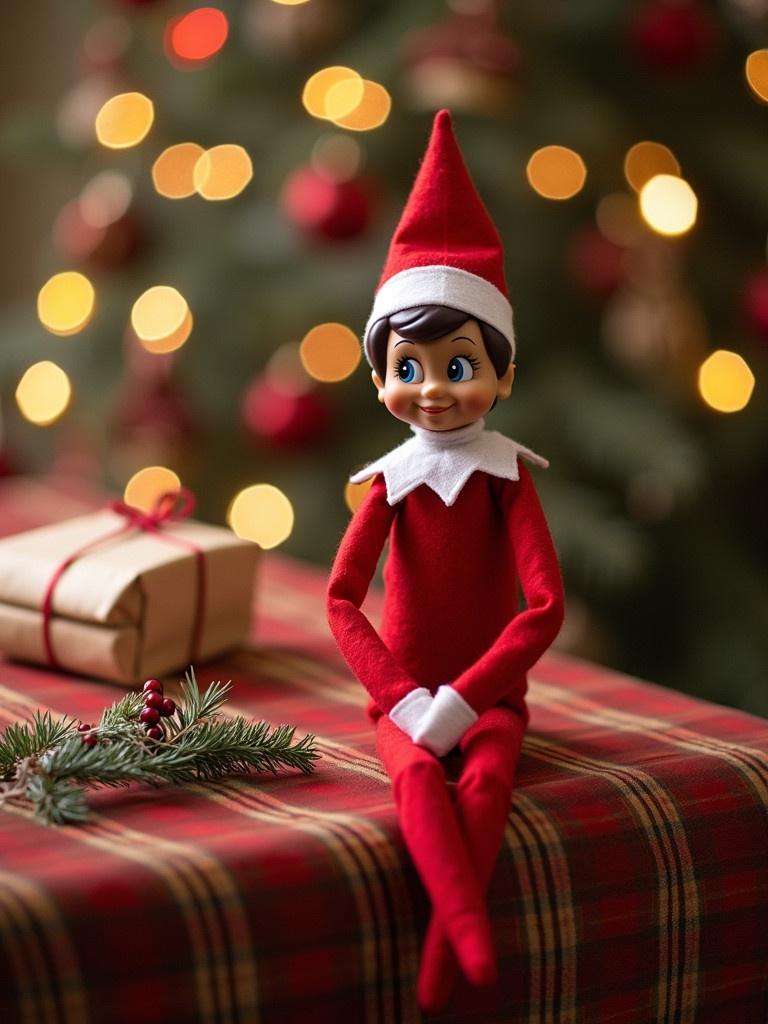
x=458 y=507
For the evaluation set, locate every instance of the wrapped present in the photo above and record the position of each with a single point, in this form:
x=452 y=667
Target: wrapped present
x=124 y=595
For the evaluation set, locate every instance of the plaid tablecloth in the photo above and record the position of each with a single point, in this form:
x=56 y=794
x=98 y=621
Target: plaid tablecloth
x=632 y=887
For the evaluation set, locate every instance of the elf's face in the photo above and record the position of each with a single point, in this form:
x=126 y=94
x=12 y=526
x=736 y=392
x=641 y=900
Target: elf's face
x=443 y=384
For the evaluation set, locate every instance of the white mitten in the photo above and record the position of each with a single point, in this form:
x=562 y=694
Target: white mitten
x=408 y=712
x=445 y=722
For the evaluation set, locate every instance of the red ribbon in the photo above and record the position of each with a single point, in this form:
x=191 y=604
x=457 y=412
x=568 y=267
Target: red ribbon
x=172 y=506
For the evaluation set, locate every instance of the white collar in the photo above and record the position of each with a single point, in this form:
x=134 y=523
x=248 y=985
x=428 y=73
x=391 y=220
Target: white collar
x=445 y=459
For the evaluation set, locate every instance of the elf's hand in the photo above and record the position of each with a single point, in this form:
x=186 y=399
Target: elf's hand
x=444 y=722
x=409 y=712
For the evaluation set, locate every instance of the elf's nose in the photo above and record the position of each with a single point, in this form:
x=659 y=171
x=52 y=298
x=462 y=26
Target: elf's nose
x=432 y=387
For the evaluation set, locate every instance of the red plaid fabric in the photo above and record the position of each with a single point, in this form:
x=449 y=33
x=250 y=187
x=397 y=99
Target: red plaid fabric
x=632 y=888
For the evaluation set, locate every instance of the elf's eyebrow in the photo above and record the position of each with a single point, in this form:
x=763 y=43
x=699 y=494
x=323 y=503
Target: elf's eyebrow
x=404 y=341
x=462 y=337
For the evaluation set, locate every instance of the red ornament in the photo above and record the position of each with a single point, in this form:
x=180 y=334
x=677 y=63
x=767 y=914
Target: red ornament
x=285 y=418
x=90 y=739
x=149 y=716
x=156 y=733
x=153 y=700
x=594 y=264
x=324 y=209
x=153 y=685
x=755 y=303
x=104 y=246
x=673 y=36
x=84 y=727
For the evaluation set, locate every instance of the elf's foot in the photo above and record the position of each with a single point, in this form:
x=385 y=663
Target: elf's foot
x=439 y=970
x=470 y=936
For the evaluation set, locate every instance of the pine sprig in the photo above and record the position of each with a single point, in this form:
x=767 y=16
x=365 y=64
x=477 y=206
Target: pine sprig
x=21 y=740
x=46 y=764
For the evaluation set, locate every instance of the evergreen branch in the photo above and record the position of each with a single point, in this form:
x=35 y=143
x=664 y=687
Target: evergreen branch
x=22 y=740
x=47 y=764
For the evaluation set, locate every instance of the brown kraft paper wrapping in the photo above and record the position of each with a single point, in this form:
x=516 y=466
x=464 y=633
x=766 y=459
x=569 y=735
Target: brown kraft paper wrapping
x=124 y=610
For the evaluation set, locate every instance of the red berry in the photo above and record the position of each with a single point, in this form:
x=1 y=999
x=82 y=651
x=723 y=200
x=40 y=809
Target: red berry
x=153 y=700
x=155 y=733
x=153 y=685
x=149 y=716
x=168 y=708
x=84 y=727
x=90 y=739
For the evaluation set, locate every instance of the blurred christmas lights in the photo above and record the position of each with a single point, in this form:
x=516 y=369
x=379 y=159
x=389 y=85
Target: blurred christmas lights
x=355 y=493
x=146 y=486
x=124 y=120
x=644 y=160
x=196 y=36
x=668 y=204
x=65 y=303
x=756 y=71
x=222 y=172
x=371 y=111
x=43 y=393
x=161 y=319
x=173 y=170
x=725 y=381
x=556 y=172
x=341 y=85
x=290 y=3
x=261 y=513
x=330 y=352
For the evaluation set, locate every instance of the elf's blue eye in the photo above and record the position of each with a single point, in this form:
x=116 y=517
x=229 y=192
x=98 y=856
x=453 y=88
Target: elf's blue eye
x=409 y=371
x=460 y=369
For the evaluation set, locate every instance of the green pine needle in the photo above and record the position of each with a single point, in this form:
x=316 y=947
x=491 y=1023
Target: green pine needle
x=45 y=764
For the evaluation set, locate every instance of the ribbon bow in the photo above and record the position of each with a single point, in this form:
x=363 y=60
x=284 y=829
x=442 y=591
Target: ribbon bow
x=172 y=506
x=163 y=510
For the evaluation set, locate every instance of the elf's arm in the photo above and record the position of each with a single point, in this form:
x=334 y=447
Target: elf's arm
x=365 y=652
x=522 y=641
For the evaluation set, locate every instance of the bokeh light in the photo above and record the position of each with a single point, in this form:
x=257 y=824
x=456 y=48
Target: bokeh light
x=43 y=393
x=756 y=71
x=371 y=110
x=668 y=205
x=290 y=3
x=342 y=83
x=222 y=172
x=196 y=36
x=66 y=302
x=146 y=486
x=556 y=172
x=355 y=493
x=173 y=172
x=726 y=382
x=105 y=199
x=124 y=120
x=261 y=513
x=647 y=159
x=330 y=352
x=171 y=341
x=158 y=314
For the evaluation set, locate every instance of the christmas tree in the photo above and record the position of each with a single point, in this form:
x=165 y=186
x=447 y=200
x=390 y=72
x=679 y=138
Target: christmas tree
x=232 y=175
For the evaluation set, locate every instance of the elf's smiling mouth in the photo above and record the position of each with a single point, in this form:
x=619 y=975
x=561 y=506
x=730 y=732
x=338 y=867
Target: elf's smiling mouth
x=435 y=410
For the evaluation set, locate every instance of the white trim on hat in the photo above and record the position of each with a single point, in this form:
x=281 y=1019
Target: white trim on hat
x=440 y=285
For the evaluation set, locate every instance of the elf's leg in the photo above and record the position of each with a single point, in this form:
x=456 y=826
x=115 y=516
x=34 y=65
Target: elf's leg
x=490 y=751
x=431 y=833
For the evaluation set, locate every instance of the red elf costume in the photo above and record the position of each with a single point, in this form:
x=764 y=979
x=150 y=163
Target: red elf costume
x=464 y=526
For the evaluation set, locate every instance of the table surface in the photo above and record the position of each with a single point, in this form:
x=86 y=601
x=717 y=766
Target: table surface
x=631 y=887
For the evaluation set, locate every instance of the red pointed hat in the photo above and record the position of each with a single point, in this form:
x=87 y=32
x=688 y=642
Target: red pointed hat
x=446 y=250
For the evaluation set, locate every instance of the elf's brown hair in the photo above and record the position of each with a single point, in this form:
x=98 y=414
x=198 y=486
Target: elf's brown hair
x=426 y=323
